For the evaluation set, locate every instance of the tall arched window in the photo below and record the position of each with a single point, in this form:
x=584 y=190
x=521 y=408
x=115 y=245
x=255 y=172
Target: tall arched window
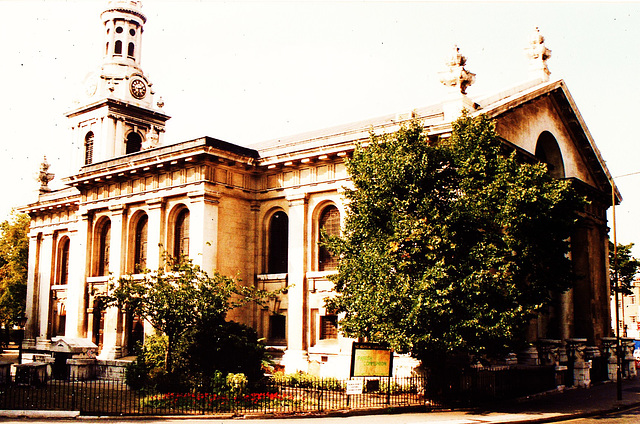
x=278 y=248
x=134 y=142
x=88 y=148
x=104 y=244
x=118 y=47
x=329 y=224
x=130 y=49
x=63 y=261
x=140 y=247
x=181 y=234
x=548 y=151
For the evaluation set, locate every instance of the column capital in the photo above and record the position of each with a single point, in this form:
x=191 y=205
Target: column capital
x=206 y=195
x=155 y=203
x=298 y=199
x=117 y=209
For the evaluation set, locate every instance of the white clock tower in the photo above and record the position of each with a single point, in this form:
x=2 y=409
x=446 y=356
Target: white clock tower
x=118 y=116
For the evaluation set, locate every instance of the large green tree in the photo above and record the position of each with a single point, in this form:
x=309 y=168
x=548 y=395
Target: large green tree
x=180 y=298
x=14 y=254
x=623 y=266
x=450 y=247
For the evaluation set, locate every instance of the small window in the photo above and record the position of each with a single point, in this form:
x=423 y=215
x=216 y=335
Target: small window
x=330 y=225
x=119 y=30
x=63 y=262
x=278 y=256
x=88 y=148
x=104 y=247
x=277 y=328
x=132 y=32
x=181 y=235
x=328 y=327
x=134 y=142
x=118 y=47
x=140 y=250
x=106 y=49
x=130 y=49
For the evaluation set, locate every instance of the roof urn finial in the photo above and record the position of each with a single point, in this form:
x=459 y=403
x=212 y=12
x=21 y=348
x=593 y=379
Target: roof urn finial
x=538 y=55
x=456 y=76
x=44 y=177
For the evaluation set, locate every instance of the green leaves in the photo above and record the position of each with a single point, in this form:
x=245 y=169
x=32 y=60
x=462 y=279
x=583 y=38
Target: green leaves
x=450 y=246
x=14 y=254
x=181 y=297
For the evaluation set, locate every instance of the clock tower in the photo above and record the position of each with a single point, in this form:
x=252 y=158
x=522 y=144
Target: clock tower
x=117 y=115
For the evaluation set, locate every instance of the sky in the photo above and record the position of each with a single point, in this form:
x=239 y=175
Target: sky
x=251 y=71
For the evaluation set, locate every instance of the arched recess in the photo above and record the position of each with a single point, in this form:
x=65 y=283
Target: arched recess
x=277 y=243
x=138 y=230
x=548 y=151
x=134 y=142
x=328 y=222
x=57 y=301
x=179 y=231
x=101 y=247
x=62 y=261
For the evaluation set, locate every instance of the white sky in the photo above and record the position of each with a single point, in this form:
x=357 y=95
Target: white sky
x=246 y=71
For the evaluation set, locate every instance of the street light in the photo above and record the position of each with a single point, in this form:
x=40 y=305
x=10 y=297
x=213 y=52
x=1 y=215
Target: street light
x=22 y=320
x=617 y=278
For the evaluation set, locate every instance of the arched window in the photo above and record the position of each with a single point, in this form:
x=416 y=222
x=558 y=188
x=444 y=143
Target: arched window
x=134 y=142
x=140 y=246
x=548 y=151
x=104 y=244
x=118 y=47
x=278 y=247
x=329 y=224
x=130 y=50
x=106 y=49
x=181 y=234
x=63 y=262
x=88 y=148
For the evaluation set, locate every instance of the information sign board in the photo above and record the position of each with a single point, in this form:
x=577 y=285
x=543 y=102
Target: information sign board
x=371 y=360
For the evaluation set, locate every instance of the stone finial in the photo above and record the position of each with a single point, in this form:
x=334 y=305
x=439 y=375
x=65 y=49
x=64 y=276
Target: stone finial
x=44 y=177
x=538 y=55
x=456 y=76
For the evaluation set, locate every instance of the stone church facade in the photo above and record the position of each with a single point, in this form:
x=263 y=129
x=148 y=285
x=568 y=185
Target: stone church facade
x=257 y=212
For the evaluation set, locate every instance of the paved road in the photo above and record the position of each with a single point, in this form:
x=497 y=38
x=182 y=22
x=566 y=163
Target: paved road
x=627 y=417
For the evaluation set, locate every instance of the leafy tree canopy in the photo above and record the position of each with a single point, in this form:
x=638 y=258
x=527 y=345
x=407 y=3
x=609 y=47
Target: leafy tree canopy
x=625 y=265
x=180 y=298
x=14 y=254
x=450 y=247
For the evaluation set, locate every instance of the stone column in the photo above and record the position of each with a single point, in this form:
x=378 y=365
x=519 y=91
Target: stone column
x=629 y=362
x=203 y=228
x=295 y=357
x=112 y=339
x=47 y=267
x=581 y=368
x=609 y=351
x=33 y=291
x=80 y=243
x=155 y=230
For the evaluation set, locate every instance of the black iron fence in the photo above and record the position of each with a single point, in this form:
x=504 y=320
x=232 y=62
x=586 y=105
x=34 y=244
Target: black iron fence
x=101 y=397
x=284 y=394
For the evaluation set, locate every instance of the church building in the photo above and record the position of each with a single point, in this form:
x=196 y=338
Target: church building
x=257 y=212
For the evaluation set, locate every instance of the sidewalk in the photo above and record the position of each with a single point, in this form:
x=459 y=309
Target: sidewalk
x=555 y=406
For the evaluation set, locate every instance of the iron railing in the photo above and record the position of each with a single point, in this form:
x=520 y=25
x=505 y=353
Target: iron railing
x=285 y=394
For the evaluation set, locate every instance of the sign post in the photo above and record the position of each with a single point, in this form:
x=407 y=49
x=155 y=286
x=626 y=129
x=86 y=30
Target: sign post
x=369 y=360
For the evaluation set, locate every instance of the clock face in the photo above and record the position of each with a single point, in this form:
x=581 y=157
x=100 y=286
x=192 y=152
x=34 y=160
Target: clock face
x=138 y=88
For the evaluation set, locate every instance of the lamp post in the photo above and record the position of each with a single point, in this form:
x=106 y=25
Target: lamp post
x=617 y=281
x=22 y=320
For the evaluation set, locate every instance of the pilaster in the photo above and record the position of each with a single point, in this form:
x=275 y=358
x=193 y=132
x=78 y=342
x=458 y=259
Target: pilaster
x=295 y=357
x=80 y=239
x=203 y=234
x=33 y=291
x=155 y=228
x=47 y=265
